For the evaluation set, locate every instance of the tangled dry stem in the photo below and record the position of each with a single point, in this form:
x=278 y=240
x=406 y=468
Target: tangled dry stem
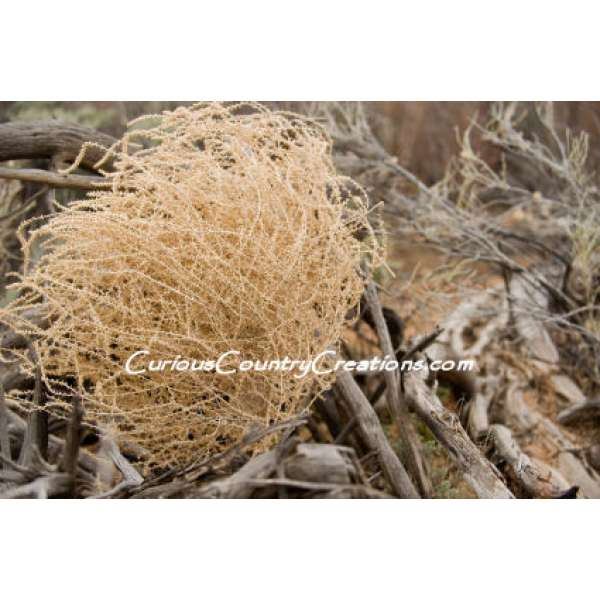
x=231 y=230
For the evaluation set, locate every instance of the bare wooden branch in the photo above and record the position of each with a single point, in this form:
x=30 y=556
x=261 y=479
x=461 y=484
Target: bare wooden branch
x=397 y=406
x=71 y=450
x=41 y=421
x=478 y=420
x=574 y=468
x=48 y=139
x=27 y=445
x=324 y=463
x=537 y=479
x=313 y=470
x=479 y=473
x=373 y=434
x=77 y=182
x=37 y=422
x=125 y=467
x=580 y=413
x=239 y=484
x=312 y=467
x=4 y=439
x=47 y=486
x=55 y=444
x=316 y=486
x=568 y=389
x=111 y=452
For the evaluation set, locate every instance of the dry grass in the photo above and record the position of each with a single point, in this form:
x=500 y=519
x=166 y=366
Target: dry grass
x=231 y=231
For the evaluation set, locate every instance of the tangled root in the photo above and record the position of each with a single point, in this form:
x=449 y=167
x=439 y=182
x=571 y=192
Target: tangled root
x=230 y=231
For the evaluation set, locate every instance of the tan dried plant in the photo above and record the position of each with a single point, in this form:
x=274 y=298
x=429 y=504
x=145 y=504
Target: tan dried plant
x=230 y=231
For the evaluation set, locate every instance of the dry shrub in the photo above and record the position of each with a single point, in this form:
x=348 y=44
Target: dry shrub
x=534 y=215
x=12 y=209
x=230 y=231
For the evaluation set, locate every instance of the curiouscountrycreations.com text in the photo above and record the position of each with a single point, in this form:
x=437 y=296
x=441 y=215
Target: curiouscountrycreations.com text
x=231 y=362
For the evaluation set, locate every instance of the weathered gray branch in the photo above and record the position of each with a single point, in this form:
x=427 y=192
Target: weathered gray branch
x=397 y=405
x=374 y=436
x=4 y=438
x=536 y=478
x=56 y=445
x=75 y=182
x=51 y=139
x=478 y=472
x=71 y=451
x=46 y=486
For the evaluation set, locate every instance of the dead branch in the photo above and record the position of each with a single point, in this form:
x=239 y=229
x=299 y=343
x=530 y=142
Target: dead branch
x=537 y=479
x=521 y=417
x=370 y=428
x=131 y=478
x=4 y=439
x=479 y=473
x=309 y=470
x=125 y=467
x=46 y=486
x=71 y=450
x=396 y=403
x=74 y=182
x=39 y=416
x=49 y=139
x=325 y=463
x=56 y=445
x=239 y=485
x=312 y=467
x=580 y=413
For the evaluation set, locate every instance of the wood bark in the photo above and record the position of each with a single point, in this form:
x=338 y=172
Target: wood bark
x=397 y=405
x=72 y=182
x=478 y=472
x=537 y=479
x=374 y=436
x=51 y=139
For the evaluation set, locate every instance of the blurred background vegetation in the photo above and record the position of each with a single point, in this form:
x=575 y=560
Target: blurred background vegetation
x=423 y=135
